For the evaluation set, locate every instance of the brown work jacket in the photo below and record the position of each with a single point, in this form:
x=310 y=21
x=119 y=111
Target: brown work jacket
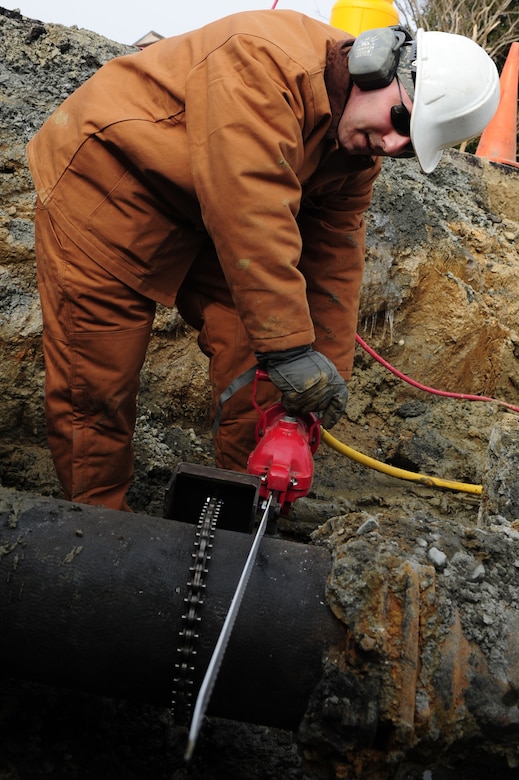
x=221 y=143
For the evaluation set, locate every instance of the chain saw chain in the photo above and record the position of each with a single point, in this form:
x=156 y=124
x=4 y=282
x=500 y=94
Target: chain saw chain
x=182 y=694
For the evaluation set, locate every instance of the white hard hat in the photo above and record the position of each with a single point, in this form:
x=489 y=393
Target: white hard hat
x=456 y=94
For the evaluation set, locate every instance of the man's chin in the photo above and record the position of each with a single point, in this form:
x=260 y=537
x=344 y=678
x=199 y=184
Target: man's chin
x=358 y=152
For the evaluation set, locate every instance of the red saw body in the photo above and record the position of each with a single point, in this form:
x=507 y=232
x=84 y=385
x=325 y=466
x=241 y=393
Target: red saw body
x=283 y=456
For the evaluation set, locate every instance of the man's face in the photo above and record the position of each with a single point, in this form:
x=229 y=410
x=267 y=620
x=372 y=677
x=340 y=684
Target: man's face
x=365 y=125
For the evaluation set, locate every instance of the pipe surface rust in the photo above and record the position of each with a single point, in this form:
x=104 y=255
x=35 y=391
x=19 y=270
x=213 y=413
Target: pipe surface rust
x=93 y=599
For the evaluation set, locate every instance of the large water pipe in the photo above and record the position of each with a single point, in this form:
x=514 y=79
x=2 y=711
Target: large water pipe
x=93 y=599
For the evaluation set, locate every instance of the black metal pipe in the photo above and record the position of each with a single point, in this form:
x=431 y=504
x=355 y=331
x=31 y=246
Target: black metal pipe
x=93 y=599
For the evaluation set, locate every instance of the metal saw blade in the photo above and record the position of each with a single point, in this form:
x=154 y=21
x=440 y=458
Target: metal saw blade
x=206 y=689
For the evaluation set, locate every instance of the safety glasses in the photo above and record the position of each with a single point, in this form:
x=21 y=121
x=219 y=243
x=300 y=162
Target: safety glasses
x=401 y=121
x=400 y=116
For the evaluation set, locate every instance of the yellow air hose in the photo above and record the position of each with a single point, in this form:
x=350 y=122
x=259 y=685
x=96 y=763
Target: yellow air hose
x=423 y=479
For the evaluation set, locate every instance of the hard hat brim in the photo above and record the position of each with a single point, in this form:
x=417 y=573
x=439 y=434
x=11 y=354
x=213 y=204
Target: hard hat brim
x=426 y=153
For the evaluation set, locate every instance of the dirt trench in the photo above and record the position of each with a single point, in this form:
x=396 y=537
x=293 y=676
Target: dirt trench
x=439 y=302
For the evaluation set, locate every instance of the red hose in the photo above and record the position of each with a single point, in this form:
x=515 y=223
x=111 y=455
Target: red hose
x=444 y=393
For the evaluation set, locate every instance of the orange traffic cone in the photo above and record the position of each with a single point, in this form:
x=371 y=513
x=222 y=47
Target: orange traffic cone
x=498 y=142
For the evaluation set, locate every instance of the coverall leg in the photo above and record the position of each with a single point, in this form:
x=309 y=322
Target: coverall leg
x=96 y=332
x=205 y=302
x=224 y=340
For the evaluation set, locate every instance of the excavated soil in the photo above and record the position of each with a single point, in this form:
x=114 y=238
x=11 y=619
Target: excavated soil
x=440 y=303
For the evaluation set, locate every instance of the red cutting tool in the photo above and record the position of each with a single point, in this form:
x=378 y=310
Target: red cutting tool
x=283 y=456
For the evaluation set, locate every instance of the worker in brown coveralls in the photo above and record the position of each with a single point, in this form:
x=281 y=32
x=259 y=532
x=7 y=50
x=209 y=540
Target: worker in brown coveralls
x=226 y=171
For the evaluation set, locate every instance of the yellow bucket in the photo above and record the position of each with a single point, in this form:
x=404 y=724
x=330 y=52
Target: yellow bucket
x=355 y=16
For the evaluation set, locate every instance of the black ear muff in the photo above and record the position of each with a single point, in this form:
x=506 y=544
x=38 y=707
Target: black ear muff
x=374 y=56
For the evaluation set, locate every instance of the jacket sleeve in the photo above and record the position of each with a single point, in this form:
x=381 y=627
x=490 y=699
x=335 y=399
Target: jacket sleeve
x=333 y=231
x=246 y=119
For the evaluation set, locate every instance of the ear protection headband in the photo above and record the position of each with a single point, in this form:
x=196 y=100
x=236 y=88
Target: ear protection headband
x=374 y=56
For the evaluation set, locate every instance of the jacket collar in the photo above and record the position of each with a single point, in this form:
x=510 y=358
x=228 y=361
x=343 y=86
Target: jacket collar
x=338 y=82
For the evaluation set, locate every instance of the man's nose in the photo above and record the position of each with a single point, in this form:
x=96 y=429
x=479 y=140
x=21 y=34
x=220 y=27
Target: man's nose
x=396 y=144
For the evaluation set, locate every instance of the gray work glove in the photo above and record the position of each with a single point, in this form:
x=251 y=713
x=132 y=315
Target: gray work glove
x=309 y=382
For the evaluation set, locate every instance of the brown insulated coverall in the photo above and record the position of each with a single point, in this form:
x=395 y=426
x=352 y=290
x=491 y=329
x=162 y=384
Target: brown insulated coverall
x=204 y=171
